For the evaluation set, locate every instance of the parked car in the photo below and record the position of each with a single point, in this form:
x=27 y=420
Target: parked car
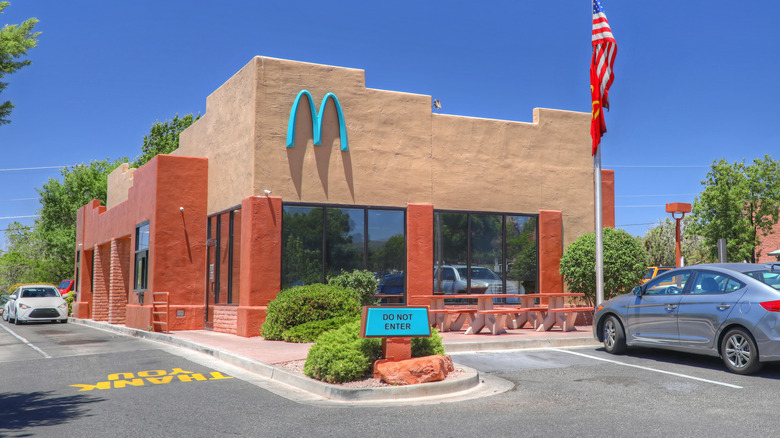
x=35 y=303
x=729 y=310
x=65 y=287
x=654 y=271
x=483 y=280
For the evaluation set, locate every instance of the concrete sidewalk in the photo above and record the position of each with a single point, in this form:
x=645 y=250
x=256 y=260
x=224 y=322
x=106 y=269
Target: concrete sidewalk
x=262 y=357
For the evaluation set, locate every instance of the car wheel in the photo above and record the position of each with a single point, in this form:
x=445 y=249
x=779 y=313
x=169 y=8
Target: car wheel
x=739 y=352
x=63 y=321
x=614 y=337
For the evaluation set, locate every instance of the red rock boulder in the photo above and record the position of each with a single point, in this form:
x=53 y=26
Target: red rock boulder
x=415 y=370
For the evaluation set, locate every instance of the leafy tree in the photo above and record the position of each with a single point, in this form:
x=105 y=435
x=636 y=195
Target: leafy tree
x=15 y=41
x=625 y=262
x=163 y=138
x=60 y=200
x=740 y=204
x=24 y=259
x=659 y=242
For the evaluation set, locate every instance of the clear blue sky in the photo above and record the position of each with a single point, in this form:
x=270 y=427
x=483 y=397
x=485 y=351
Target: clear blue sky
x=695 y=81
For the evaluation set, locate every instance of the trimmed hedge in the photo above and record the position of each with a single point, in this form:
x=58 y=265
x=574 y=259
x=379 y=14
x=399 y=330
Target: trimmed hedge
x=310 y=331
x=302 y=304
x=341 y=355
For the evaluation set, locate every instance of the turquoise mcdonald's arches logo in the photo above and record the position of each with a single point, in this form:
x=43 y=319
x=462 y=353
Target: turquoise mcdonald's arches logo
x=316 y=119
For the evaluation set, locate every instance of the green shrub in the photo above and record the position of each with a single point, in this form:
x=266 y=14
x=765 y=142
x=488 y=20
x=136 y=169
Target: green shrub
x=427 y=346
x=69 y=299
x=362 y=282
x=310 y=331
x=301 y=304
x=341 y=355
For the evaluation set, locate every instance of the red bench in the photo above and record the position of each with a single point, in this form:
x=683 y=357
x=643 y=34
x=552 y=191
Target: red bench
x=453 y=318
x=566 y=317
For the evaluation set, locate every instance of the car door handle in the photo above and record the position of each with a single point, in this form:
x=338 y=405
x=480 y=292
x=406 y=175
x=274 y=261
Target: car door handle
x=723 y=306
x=670 y=306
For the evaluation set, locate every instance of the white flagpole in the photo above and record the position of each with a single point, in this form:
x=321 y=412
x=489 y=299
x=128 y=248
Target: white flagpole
x=599 y=226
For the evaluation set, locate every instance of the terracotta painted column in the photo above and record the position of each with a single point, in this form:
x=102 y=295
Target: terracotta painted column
x=83 y=301
x=261 y=261
x=550 y=251
x=419 y=253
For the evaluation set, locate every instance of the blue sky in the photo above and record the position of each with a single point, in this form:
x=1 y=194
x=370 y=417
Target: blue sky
x=695 y=82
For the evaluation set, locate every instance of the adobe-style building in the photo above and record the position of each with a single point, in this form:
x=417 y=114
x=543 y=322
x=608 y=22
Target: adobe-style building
x=298 y=171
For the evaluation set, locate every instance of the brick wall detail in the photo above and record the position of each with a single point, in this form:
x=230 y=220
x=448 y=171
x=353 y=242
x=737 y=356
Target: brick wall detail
x=226 y=319
x=100 y=283
x=119 y=280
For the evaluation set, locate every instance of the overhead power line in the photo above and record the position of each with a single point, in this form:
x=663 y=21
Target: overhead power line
x=662 y=195
x=18 y=217
x=17 y=199
x=36 y=168
x=655 y=167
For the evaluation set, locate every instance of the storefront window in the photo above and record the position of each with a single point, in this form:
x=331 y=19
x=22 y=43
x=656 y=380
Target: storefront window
x=302 y=238
x=351 y=239
x=485 y=253
x=344 y=240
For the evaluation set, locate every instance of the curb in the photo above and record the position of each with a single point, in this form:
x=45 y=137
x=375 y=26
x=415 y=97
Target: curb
x=470 y=347
x=469 y=381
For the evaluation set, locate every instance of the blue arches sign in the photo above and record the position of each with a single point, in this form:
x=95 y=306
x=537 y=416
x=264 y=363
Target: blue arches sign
x=316 y=119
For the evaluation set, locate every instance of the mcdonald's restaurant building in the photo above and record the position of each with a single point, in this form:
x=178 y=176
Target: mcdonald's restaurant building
x=297 y=171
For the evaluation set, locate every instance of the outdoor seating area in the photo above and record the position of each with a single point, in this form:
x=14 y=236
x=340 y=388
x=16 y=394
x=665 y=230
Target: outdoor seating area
x=538 y=312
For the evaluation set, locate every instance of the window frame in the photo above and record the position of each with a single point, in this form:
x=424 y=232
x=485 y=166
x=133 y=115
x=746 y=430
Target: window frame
x=143 y=285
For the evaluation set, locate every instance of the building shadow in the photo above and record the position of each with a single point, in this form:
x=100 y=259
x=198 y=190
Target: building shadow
x=35 y=409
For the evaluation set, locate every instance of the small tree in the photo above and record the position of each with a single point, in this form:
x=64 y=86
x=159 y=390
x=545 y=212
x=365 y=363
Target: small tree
x=659 y=242
x=740 y=204
x=15 y=41
x=625 y=262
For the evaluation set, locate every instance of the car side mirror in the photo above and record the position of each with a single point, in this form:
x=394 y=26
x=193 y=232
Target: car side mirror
x=637 y=291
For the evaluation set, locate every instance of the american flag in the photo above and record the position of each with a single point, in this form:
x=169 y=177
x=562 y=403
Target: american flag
x=604 y=51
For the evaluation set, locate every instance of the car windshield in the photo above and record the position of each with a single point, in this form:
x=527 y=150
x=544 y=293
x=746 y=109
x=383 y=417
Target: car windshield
x=649 y=274
x=43 y=292
x=64 y=284
x=767 y=277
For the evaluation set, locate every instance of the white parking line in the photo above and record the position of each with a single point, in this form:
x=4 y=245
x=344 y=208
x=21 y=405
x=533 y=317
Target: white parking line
x=43 y=353
x=685 y=376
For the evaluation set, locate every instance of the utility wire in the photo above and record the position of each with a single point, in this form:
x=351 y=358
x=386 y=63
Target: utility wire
x=18 y=217
x=17 y=199
x=37 y=168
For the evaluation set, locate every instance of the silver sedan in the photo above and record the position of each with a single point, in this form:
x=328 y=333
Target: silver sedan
x=35 y=303
x=731 y=310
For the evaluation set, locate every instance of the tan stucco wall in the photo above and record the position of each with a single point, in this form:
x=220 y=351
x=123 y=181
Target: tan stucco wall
x=400 y=152
x=119 y=181
x=225 y=135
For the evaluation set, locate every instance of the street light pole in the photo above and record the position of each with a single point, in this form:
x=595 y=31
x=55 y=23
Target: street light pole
x=676 y=208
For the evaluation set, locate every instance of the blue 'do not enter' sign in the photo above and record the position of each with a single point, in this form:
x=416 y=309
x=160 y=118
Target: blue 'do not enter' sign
x=387 y=322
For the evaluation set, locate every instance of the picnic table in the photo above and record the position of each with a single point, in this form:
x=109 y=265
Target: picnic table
x=496 y=319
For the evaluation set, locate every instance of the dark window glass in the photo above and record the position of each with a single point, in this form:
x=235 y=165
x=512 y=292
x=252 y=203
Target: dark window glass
x=319 y=242
x=485 y=253
x=387 y=251
x=141 y=271
x=303 y=240
x=522 y=259
x=344 y=241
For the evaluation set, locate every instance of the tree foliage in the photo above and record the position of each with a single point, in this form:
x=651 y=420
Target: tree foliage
x=625 y=262
x=740 y=204
x=163 y=138
x=659 y=242
x=15 y=41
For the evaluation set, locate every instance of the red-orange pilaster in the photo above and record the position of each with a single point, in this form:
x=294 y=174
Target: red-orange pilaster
x=419 y=253
x=550 y=251
x=261 y=261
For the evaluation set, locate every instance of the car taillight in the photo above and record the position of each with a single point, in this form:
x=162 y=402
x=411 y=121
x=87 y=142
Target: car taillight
x=772 y=306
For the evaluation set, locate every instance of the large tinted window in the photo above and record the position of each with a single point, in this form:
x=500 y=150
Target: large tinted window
x=490 y=253
x=323 y=241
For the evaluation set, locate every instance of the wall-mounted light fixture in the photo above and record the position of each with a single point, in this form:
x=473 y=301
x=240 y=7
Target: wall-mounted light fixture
x=181 y=208
x=266 y=192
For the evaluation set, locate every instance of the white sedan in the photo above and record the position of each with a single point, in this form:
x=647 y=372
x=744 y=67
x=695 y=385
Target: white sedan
x=35 y=303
